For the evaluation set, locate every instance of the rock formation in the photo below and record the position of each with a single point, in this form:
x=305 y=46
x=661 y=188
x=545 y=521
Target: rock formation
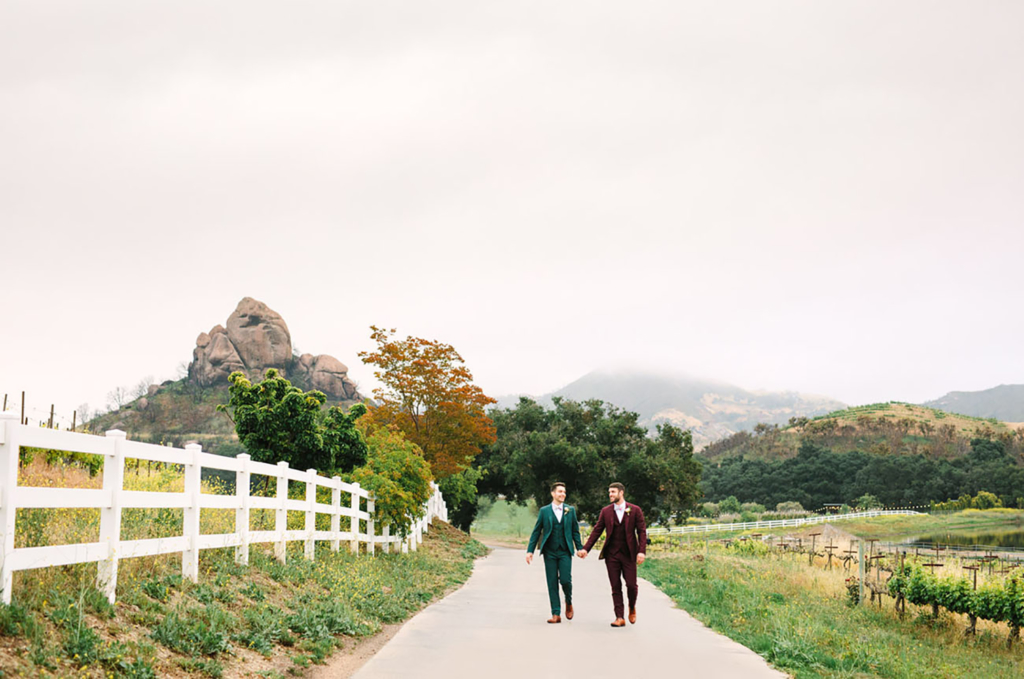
x=257 y=338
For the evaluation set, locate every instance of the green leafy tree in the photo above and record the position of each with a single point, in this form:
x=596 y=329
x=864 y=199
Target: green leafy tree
x=276 y=422
x=866 y=502
x=730 y=505
x=397 y=475
x=460 y=495
x=587 y=446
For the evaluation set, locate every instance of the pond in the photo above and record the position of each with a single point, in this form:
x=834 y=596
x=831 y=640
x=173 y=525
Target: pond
x=1010 y=537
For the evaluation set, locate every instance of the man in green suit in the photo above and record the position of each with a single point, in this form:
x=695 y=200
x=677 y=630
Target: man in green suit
x=558 y=532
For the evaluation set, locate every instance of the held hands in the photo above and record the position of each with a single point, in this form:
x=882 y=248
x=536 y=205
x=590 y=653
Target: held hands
x=640 y=558
x=582 y=554
x=529 y=558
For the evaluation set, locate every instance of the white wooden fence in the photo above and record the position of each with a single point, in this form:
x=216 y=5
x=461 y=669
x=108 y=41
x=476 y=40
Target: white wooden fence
x=112 y=499
x=779 y=523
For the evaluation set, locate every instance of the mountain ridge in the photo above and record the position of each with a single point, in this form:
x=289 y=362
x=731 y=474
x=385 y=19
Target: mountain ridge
x=711 y=409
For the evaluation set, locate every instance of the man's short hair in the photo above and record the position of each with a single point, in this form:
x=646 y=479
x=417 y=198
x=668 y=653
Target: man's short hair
x=621 y=488
x=556 y=484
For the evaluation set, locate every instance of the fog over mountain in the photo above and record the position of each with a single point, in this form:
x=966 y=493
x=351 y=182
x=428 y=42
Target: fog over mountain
x=712 y=410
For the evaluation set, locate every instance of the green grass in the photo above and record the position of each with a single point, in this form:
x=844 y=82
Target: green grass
x=505 y=520
x=797 y=618
x=901 y=527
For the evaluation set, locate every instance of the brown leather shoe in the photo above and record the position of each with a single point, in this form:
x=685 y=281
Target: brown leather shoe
x=568 y=611
x=554 y=619
x=619 y=622
x=632 y=616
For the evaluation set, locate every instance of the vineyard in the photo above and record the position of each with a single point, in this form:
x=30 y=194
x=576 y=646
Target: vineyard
x=980 y=584
x=826 y=605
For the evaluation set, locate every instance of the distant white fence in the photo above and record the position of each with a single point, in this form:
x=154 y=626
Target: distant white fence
x=780 y=523
x=112 y=499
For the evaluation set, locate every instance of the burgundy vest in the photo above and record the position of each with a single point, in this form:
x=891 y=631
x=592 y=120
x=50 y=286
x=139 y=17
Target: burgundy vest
x=616 y=541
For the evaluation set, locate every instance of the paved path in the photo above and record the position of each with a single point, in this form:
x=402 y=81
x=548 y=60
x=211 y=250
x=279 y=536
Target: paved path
x=494 y=627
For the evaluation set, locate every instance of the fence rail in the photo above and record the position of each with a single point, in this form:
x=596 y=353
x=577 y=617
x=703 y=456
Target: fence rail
x=779 y=523
x=113 y=498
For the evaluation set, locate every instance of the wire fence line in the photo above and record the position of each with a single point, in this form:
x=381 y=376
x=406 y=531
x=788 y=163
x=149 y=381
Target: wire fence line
x=778 y=523
x=115 y=448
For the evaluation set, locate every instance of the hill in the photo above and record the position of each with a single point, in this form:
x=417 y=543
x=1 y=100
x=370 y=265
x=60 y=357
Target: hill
x=885 y=428
x=711 y=410
x=1005 y=402
x=254 y=339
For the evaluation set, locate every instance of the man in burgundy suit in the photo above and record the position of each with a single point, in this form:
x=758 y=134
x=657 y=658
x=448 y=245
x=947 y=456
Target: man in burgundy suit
x=624 y=549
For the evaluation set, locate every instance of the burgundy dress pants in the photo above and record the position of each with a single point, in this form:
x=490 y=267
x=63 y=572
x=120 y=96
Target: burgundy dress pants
x=620 y=567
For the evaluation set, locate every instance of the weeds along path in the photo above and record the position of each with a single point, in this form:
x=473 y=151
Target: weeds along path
x=495 y=627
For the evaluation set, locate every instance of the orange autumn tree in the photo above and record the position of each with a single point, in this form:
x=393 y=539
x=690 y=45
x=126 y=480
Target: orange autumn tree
x=428 y=393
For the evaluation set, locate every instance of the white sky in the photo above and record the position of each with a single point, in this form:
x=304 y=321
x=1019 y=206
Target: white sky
x=826 y=197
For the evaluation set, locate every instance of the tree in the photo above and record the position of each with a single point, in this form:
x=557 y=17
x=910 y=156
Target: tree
x=117 y=397
x=866 y=502
x=587 y=446
x=142 y=387
x=397 y=475
x=278 y=422
x=428 y=394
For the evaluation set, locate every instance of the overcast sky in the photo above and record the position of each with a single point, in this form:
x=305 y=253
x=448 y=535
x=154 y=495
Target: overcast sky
x=816 y=196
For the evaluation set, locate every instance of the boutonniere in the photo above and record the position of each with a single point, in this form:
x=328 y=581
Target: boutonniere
x=627 y=510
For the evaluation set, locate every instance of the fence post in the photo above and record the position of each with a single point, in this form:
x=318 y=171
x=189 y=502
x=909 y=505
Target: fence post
x=310 y=550
x=281 y=515
x=355 y=519
x=387 y=539
x=193 y=476
x=110 y=516
x=9 y=453
x=335 y=513
x=242 y=513
x=370 y=528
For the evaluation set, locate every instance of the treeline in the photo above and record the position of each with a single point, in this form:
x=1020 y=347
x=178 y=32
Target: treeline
x=817 y=476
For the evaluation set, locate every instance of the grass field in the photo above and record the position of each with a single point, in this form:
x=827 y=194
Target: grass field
x=796 y=616
x=505 y=521
x=902 y=527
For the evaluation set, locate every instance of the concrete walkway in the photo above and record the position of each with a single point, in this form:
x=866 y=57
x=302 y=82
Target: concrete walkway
x=494 y=627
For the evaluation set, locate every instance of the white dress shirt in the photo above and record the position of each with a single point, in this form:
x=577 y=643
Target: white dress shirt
x=620 y=510
x=558 y=511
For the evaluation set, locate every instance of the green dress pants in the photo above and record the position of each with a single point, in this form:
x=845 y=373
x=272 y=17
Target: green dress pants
x=558 y=568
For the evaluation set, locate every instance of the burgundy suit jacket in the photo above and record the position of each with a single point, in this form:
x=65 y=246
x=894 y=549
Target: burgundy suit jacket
x=636 y=529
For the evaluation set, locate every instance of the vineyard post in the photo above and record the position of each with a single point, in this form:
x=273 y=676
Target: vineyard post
x=74 y=420
x=22 y=420
x=9 y=450
x=49 y=423
x=860 y=569
x=5 y=402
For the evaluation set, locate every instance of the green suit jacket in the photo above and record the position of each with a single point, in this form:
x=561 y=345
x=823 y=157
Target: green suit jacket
x=547 y=525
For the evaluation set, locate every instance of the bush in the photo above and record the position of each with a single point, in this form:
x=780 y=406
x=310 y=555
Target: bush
x=752 y=507
x=789 y=507
x=729 y=505
x=710 y=510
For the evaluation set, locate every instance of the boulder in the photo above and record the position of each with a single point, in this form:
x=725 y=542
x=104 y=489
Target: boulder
x=260 y=337
x=327 y=374
x=257 y=338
